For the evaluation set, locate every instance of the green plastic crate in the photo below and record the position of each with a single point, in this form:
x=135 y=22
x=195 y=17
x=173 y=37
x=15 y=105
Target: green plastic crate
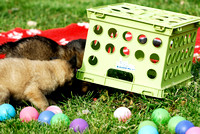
x=138 y=49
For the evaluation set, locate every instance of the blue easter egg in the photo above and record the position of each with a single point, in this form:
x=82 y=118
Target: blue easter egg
x=148 y=130
x=45 y=117
x=7 y=111
x=183 y=126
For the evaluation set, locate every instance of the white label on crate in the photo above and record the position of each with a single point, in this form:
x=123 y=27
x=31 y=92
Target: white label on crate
x=125 y=65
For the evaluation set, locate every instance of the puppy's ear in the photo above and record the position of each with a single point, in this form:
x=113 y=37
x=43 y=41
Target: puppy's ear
x=73 y=61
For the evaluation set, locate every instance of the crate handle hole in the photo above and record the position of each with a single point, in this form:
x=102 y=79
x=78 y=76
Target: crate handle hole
x=88 y=79
x=118 y=74
x=149 y=93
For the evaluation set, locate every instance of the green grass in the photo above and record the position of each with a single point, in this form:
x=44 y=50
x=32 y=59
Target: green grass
x=180 y=100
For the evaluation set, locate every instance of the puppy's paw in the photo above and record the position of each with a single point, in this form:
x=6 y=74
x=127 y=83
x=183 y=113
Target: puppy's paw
x=51 y=102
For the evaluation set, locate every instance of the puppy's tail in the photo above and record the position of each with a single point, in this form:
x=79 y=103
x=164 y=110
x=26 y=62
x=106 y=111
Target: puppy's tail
x=6 y=47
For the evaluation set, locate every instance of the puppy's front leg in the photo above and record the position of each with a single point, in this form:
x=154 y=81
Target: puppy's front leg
x=4 y=95
x=36 y=97
x=84 y=86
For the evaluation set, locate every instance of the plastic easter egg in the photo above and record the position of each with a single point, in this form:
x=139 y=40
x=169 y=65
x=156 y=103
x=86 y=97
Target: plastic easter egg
x=183 y=126
x=54 y=109
x=148 y=130
x=60 y=119
x=122 y=113
x=45 y=117
x=160 y=116
x=173 y=123
x=193 y=130
x=79 y=125
x=28 y=113
x=147 y=123
x=7 y=111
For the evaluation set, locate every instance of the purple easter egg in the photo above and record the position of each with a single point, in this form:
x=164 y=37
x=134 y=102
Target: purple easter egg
x=78 y=125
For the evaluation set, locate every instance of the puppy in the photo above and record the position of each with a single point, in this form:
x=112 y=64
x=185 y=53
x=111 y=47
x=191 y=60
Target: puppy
x=42 y=48
x=31 y=80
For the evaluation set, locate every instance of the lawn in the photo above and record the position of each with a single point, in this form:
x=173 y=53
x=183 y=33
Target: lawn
x=180 y=100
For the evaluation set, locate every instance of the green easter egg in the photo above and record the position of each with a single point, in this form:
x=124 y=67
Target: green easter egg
x=147 y=123
x=160 y=116
x=60 y=119
x=173 y=122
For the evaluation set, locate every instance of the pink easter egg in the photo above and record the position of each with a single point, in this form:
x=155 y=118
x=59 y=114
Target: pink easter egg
x=122 y=113
x=54 y=109
x=193 y=130
x=28 y=113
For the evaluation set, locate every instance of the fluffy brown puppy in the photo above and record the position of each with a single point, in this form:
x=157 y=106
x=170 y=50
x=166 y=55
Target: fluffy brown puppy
x=31 y=80
x=42 y=48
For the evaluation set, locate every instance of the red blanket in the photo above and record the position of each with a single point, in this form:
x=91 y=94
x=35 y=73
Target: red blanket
x=63 y=35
